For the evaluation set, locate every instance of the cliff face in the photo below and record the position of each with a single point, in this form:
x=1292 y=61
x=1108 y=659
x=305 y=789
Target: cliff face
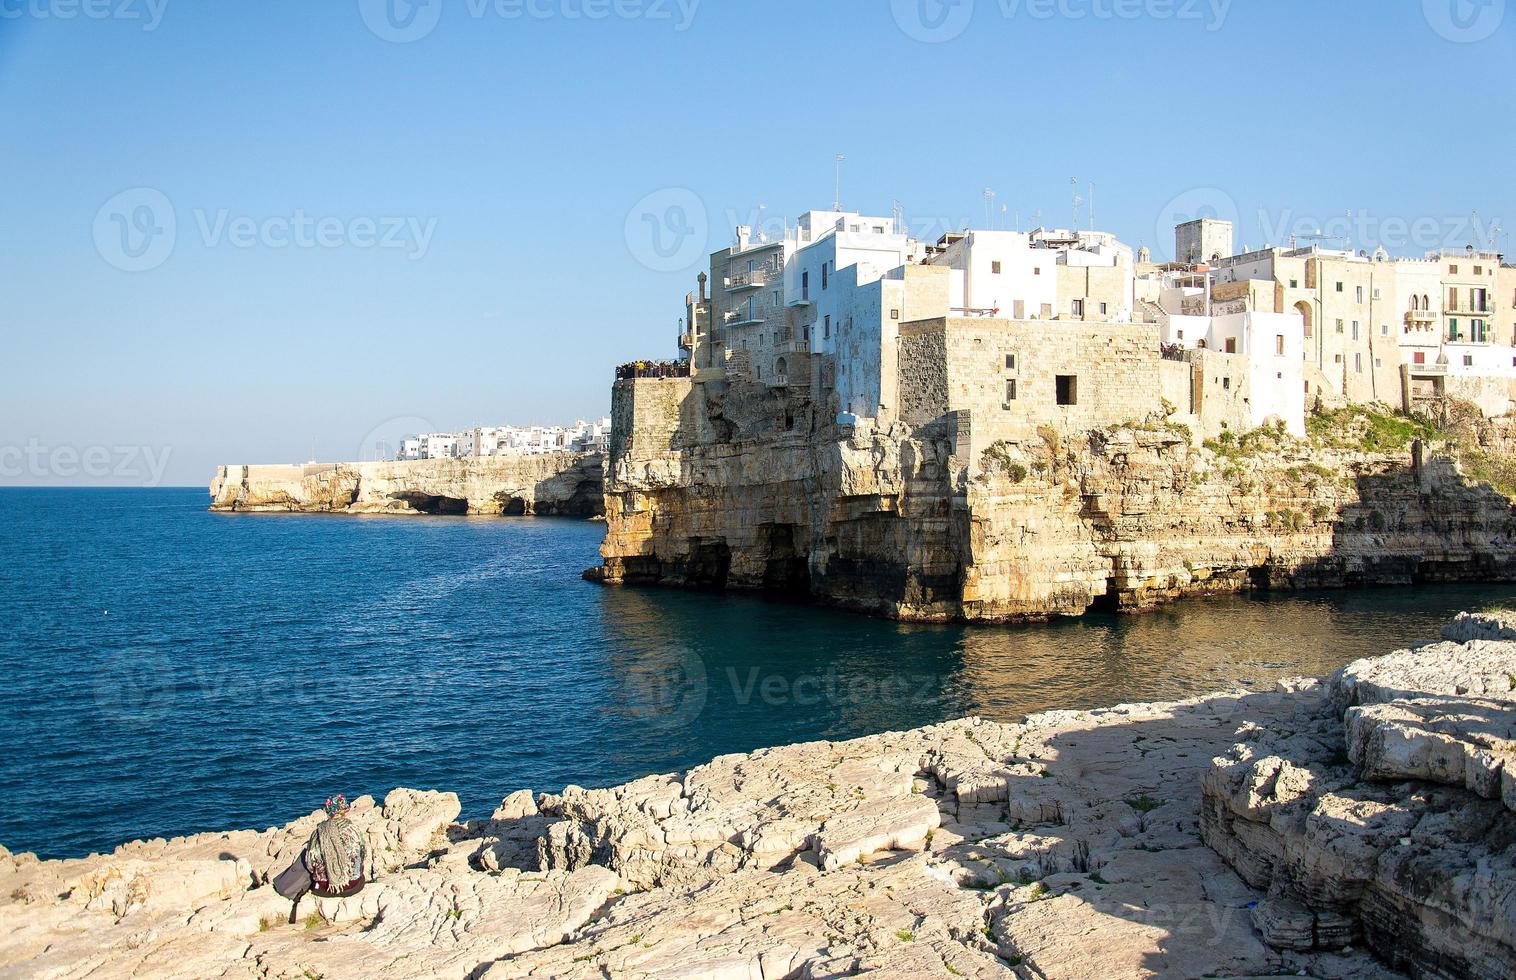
x=732 y=487
x=567 y=484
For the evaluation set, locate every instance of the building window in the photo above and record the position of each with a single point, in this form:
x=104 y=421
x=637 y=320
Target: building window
x=1231 y=345
x=1010 y=362
x=1419 y=357
x=823 y=274
x=1376 y=293
x=775 y=299
x=1010 y=389
x=1294 y=283
x=1355 y=329
x=1067 y=389
x=1358 y=363
x=1358 y=294
x=1478 y=270
x=1279 y=345
x=1078 y=307
x=1104 y=309
x=894 y=314
x=1384 y=330
x=805 y=285
x=1226 y=384
x=1339 y=287
x=826 y=328
x=1339 y=326
x=1037 y=271
x=1453 y=269
x=995 y=268
x=1468 y=360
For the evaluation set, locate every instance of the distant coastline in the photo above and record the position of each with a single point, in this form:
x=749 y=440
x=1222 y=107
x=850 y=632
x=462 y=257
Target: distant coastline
x=545 y=484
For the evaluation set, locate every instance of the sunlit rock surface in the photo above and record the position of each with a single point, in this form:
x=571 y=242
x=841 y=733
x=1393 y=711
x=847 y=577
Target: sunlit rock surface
x=1356 y=826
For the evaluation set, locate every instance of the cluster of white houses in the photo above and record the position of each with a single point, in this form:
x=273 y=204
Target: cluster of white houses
x=1025 y=328
x=508 y=440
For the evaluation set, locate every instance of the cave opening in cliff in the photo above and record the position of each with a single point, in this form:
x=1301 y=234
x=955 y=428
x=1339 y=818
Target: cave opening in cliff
x=709 y=564
x=785 y=569
x=425 y=503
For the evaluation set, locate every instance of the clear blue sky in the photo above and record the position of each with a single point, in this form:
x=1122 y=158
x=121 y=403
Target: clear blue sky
x=522 y=137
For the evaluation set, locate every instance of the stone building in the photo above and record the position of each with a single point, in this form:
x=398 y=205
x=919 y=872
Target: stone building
x=1004 y=379
x=1202 y=240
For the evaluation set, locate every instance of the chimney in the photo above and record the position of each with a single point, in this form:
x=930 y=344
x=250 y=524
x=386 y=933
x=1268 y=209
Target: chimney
x=702 y=280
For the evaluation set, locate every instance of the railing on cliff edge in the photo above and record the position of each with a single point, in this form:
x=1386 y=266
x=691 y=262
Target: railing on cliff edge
x=653 y=369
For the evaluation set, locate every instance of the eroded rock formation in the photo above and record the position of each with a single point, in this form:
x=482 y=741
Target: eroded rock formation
x=1069 y=846
x=568 y=484
x=1388 y=818
x=743 y=487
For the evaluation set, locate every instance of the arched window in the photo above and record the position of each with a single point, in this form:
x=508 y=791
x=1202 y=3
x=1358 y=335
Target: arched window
x=781 y=367
x=1415 y=302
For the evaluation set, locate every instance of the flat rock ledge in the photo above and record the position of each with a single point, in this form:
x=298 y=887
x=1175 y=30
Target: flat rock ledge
x=1350 y=828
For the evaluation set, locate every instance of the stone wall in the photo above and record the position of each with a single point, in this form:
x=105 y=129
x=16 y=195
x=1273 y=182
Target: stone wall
x=938 y=521
x=958 y=364
x=570 y=484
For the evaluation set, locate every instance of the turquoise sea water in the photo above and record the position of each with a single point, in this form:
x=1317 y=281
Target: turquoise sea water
x=169 y=670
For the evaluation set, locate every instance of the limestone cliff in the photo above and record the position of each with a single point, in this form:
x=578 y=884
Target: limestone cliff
x=567 y=484
x=738 y=486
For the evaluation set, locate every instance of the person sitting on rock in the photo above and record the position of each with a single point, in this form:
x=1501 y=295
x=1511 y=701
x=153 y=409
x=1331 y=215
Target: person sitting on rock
x=335 y=855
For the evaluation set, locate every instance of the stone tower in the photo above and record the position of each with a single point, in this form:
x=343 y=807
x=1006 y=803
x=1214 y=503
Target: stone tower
x=1202 y=240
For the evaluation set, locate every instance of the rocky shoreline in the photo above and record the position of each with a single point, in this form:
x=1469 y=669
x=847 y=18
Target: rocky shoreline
x=561 y=484
x=1345 y=828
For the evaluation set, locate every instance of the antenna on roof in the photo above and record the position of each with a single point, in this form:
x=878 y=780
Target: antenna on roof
x=1074 y=182
x=1092 y=205
x=1003 y=209
x=989 y=202
x=898 y=210
x=837 y=198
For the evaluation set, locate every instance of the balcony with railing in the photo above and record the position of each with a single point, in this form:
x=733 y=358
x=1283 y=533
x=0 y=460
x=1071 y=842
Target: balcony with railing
x=741 y=318
x=1421 y=316
x=744 y=281
x=1471 y=307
